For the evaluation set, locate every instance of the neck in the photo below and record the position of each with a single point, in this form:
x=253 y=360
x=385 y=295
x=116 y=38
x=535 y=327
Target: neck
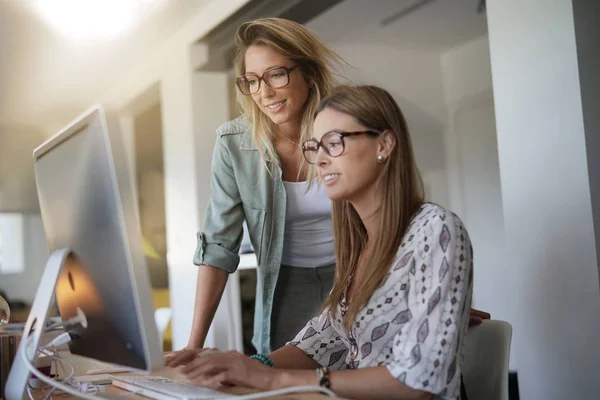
x=368 y=208
x=290 y=130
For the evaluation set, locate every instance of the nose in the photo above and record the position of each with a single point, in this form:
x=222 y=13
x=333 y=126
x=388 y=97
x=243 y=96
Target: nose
x=266 y=91
x=321 y=158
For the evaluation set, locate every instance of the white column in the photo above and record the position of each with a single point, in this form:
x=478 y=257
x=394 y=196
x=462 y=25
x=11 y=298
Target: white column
x=181 y=193
x=551 y=259
x=211 y=109
x=193 y=106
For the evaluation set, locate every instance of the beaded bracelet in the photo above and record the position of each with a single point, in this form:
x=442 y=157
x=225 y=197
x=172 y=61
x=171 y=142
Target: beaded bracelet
x=323 y=376
x=264 y=359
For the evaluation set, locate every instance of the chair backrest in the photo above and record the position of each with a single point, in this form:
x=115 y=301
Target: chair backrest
x=487 y=354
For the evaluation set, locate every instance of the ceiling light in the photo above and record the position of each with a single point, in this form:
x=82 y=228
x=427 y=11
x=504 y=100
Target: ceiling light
x=94 y=19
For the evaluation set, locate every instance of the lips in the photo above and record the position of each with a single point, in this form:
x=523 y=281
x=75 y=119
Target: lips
x=330 y=179
x=275 y=106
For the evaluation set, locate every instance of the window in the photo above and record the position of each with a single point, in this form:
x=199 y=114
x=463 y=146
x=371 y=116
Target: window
x=12 y=250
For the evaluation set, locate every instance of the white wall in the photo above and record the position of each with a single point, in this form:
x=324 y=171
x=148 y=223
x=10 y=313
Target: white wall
x=467 y=70
x=550 y=240
x=467 y=80
x=414 y=78
x=17 y=182
x=473 y=163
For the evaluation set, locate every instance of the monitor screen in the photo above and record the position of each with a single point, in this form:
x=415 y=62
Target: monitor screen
x=87 y=203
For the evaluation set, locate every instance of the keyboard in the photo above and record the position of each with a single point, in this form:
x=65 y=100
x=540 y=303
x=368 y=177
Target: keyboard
x=161 y=388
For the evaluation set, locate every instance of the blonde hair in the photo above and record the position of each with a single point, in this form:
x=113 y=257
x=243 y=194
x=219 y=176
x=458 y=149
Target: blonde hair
x=402 y=194
x=318 y=63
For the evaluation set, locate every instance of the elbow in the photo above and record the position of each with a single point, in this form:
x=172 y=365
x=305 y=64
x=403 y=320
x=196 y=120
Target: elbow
x=424 y=396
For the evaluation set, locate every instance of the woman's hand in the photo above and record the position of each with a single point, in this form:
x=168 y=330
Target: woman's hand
x=181 y=357
x=476 y=317
x=232 y=368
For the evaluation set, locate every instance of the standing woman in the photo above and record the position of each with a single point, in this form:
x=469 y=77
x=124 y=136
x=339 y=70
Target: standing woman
x=259 y=175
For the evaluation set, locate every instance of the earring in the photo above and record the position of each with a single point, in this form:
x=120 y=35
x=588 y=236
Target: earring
x=380 y=159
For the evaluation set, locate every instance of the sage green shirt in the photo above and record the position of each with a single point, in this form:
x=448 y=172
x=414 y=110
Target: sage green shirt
x=243 y=188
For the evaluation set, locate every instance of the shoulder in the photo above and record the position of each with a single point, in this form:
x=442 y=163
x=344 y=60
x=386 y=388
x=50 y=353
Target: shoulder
x=432 y=224
x=433 y=217
x=237 y=126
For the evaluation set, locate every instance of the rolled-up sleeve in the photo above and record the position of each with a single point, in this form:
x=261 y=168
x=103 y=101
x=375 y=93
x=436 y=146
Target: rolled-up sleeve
x=219 y=244
x=320 y=341
x=427 y=353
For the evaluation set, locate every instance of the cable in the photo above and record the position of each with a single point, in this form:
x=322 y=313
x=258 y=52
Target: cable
x=58 y=341
x=51 y=382
x=288 y=390
x=55 y=384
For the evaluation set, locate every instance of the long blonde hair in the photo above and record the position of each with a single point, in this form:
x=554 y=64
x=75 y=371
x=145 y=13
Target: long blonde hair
x=318 y=63
x=402 y=194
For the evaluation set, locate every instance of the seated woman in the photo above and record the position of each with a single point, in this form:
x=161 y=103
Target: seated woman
x=394 y=324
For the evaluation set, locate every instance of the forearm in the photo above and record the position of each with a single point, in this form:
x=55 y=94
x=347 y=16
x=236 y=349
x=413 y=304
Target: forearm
x=291 y=357
x=209 y=290
x=367 y=383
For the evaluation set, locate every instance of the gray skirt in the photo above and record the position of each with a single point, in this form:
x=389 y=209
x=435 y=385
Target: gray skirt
x=299 y=294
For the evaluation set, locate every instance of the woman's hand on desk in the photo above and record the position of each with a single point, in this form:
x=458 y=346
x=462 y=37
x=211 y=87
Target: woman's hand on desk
x=232 y=368
x=181 y=357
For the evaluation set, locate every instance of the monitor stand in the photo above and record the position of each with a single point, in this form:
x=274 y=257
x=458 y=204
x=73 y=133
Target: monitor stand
x=16 y=384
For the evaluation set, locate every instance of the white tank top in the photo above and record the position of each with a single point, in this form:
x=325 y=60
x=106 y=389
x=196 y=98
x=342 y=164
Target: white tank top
x=308 y=235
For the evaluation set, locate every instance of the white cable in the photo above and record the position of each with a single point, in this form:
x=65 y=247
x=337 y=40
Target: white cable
x=58 y=341
x=55 y=385
x=287 y=390
x=56 y=361
x=47 y=395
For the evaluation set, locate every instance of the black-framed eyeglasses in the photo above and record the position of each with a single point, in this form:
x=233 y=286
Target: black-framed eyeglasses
x=331 y=142
x=276 y=77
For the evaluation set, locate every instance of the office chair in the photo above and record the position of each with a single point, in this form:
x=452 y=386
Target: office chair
x=487 y=354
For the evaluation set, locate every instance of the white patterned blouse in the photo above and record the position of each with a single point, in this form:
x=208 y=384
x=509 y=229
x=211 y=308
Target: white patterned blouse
x=416 y=321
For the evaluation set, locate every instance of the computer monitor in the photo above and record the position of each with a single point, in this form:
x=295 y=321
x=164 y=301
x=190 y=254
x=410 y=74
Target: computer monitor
x=90 y=218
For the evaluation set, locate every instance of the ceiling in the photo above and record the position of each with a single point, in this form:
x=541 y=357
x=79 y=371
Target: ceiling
x=435 y=25
x=45 y=77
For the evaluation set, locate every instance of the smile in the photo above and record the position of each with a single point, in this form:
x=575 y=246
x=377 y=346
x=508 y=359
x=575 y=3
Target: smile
x=330 y=177
x=275 y=106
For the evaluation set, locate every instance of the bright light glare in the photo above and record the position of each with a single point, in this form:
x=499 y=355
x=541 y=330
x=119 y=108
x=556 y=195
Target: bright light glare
x=92 y=19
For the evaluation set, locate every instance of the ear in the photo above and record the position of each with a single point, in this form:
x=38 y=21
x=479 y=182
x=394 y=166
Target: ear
x=387 y=142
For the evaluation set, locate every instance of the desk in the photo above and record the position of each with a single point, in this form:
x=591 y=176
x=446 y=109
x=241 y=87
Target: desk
x=82 y=365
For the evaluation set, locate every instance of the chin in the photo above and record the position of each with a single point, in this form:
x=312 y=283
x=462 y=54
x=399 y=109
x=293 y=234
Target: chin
x=278 y=119
x=336 y=195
